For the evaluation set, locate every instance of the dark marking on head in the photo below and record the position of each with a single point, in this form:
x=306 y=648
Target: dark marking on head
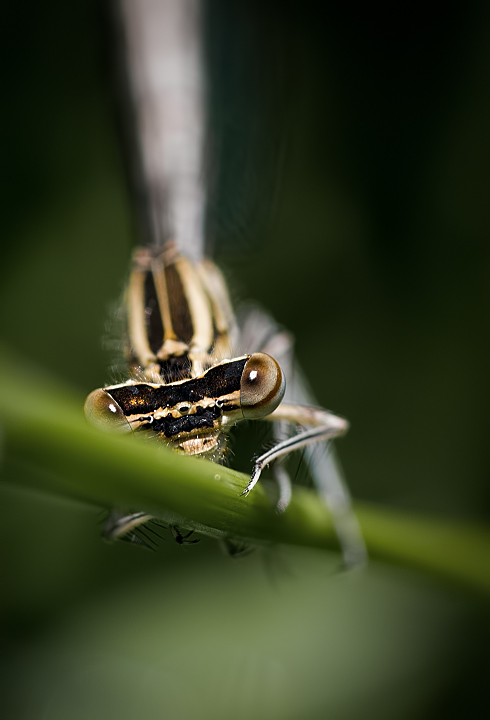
x=141 y=398
x=171 y=426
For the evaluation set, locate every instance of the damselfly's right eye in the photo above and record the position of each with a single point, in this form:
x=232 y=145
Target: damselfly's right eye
x=262 y=386
x=102 y=411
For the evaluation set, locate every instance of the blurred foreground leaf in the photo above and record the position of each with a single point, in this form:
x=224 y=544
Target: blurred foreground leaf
x=43 y=425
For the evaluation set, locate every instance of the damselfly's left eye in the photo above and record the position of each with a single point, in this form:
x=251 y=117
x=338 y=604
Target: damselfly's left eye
x=103 y=411
x=262 y=386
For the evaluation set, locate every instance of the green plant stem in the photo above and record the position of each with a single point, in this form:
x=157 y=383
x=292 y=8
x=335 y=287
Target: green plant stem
x=43 y=425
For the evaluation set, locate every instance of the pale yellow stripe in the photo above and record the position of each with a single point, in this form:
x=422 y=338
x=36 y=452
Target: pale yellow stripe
x=136 y=319
x=199 y=306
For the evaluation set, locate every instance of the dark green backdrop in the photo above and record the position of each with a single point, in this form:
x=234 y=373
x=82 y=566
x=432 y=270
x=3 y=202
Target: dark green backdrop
x=352 y=202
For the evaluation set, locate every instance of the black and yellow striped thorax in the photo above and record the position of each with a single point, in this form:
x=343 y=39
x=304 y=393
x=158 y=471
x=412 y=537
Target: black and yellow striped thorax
x=183 y=386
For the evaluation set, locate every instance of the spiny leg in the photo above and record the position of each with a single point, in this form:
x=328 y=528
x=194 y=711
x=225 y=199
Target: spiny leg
x=322 y=426
x=119 y=525
x=297 y=410
x=326 y=473
x=183 y=539
x=324 y=468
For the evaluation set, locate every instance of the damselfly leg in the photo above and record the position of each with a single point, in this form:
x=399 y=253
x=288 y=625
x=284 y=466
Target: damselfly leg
x=291 y=421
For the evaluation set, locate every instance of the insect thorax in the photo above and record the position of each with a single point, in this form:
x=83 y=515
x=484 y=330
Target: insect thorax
x=179 y=321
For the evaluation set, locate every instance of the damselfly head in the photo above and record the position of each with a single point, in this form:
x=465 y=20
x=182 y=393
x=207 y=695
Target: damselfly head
x=190 y=414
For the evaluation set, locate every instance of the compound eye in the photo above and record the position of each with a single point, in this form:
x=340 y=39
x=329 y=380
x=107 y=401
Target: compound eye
x=262 y=386
x=102 y=411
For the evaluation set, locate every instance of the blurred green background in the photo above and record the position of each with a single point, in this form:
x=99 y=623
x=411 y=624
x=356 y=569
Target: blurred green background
x=352 y=202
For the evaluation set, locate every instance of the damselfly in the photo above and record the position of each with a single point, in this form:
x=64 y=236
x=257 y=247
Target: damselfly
x=194 y=372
